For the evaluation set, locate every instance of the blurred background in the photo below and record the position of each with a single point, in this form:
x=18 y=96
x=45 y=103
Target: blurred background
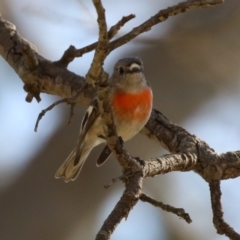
x=192 y=62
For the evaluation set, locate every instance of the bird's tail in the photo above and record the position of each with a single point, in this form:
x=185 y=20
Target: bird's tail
x=70 y=169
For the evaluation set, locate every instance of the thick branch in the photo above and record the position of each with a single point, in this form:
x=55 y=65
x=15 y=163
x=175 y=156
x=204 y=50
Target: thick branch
x=101 y=50
x=128 y=200
x=46 y=76
x=229 y=163
x=192 y=152
x=169 y=163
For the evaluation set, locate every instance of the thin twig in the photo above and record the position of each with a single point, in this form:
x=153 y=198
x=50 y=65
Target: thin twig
x=42 y=113
x=114 y=180
x=115 y=28
x=70 y=101
x=111 y=33
x=178 y=211
x=161 y=16
x=221 y=226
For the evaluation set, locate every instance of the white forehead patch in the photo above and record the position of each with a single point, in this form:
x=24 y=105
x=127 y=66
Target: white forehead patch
x=134 y=65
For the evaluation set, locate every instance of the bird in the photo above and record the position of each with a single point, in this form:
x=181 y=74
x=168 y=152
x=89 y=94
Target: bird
x=131 y=102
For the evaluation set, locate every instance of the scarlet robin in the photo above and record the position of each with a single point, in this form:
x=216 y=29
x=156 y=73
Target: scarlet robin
x=131 y=101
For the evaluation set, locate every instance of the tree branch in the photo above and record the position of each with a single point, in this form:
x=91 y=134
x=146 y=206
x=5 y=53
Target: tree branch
x=72 y=52
x=187 y=151
x=52 y=77
x=161 y=16
x=178 y=211
x=101 y=78
x=218 y=221
x=111 y=33
x=128 y=200
x=101 y=50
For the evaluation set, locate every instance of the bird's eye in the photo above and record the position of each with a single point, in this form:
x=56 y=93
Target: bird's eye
x=120 y=70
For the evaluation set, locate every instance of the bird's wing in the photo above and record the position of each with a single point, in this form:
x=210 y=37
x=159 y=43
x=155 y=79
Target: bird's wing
x=90 y=116
x=104 y=155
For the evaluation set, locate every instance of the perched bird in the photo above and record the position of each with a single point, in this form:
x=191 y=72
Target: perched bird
x=131 y=102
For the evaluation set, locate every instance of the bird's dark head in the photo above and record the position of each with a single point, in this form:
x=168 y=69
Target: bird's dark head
x=128 y=65
x=128 y=75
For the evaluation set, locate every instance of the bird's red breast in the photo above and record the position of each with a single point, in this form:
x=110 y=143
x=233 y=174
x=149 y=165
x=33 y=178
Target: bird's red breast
x=135 y=106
